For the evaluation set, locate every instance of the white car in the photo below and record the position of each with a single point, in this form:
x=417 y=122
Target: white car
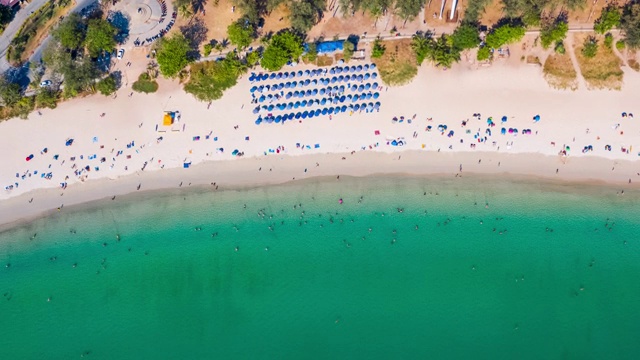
x=46 y=83
x=120 y=54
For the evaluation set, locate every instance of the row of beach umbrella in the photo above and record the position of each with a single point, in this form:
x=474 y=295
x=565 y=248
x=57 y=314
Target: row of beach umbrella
x=324 y=101
x=368 y=107
x=314 y=82
x=310 y=93
x=310 y=73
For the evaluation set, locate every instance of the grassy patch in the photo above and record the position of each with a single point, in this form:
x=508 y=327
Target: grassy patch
x=398 y=65
x=601 y=71
x=633 y=63
x=324 y=60
x=559 y=72
x=34 y=30
x=145 y=84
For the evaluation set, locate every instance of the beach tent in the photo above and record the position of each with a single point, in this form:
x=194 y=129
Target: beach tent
x=167 y=119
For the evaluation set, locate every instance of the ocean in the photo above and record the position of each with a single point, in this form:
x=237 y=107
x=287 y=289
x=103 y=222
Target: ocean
x=402 y=268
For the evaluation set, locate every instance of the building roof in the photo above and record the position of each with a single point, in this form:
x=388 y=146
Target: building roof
x=9 y=3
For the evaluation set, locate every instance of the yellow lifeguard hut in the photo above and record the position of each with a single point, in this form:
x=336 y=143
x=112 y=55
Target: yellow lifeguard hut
x=169 y=117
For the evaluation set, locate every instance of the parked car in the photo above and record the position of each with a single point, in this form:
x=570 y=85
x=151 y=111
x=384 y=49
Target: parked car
x=46 y=83
x=120 y=54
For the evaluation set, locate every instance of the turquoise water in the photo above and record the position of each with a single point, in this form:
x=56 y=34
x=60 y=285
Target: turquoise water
x=404 y=268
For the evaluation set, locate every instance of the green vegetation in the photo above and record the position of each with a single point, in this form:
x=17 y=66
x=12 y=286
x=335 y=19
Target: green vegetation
x=348 y=49
x=13 y=103
x=559 y=48
x=241 y=33
x=306 y=13
x=100 y=36
x=608 y=41
x=6 y=15
x=378 y=48
x=530 y=11
x=466 y=36
x=283 y=47
x=374 y=7
x=207 y=49
x=10 y=93
x=620 y=45
x=47 y=98
x=553 y=32
x=420 y=43
x=70 y=33
x=172 y=55
x=590 y=47
x=312 y=53
x=408 y=9
x=398 y=64
x=609 y=18
x=484 y=53
x=475 y=8
x=28 y=31
x=441 y=51
x=504 y=34
x=210 y=79
x=252 y=58
x=630 y=24
x=145 y=84
x=108 y=85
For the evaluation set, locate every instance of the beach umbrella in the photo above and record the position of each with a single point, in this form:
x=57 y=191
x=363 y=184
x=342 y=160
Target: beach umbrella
x=278 y=119
x=311 y=114
x=322 y=91
x=330 y=110
x=269 y=97
x=366 y=67
x=368 y=96
x=364 y=96
x=279 y=76
x=341 y=78
x=342 y=98
x=338 y=70
x=296 y=105
x=299 y=73
x=305 y=114
x=287 y=84
x=352 y=69
x=289 y=106
x=272 y=76
x=307 y=93
x=268 y=119
x=301 y=84
x=253 y=89
x=294 y=84
x=354 y=87
x=306 y=72
x=376 y=95
x=343 y=108
x=270 y=108
x=303 y=103
x=261 y=99
x=256 y=110
x=291 y=75
x=314 y=92
x=504 y=119
x=280 y=86
x=324 y=111
x=311 y=103
x=373 y=66
x=361 y=88
x=314 y=82
x=318 y=112
x=297 y=116
x=359 y=68
x=356 y=107
x=258 y=121
x=334 y=79
x=264 y=107
x=374 y=85
x=252 y=77
x=306 y=82
x=370 y=107
x=360 y=77
x=374 y=75
x=347 y=78
x=288 y=95
x=282 y=106
x=332 y=71
x=354 y=99
x=323 y=101
x=536 y=118
x=376 y=106
x=367 y=86
x=366 y=76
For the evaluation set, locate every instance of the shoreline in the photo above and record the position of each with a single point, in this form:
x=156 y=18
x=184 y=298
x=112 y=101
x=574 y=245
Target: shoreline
x=243 y=173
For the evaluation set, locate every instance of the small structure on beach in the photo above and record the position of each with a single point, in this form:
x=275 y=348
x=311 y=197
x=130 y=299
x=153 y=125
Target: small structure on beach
x=169 y=118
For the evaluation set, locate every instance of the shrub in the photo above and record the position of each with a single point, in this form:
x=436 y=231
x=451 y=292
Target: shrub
x=560 y=48
x=590 y=47
x=207 y=49
x=620 y=45
x=378 y=49
x=609 y=18
x=348 y=49
x=484 y=53
x=283 y=47
x=553 y=32
x=107 y=86
x=504 y=34
x=608 y=41
x=145 y=84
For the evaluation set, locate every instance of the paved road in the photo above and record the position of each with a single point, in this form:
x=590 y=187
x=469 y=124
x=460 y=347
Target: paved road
x=12 y=29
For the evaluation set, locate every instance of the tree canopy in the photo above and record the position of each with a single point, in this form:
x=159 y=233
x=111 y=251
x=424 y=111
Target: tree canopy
x=306 y=13
x=283 y=47
x=70 y=33
x=10 y=93
x=6 y=14
x=209 y=80
x=408 y=9
x=553 y=32
x=100 y=36
x=108 y=85
x=172 y=55
x=465 y=36
x=609 y=18
x=630 y=24
x=241 y=33
x=378 y=48
x=504 y=34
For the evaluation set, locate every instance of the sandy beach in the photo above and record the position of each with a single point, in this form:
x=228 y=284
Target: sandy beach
x=128 y=148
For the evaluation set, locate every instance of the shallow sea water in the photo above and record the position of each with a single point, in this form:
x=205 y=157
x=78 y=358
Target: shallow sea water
x=404 y=268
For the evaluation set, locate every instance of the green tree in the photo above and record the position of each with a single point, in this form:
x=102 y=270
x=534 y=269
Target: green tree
x=24 y=106
x=184 y=8
x=6 y=15
x=107 y=86
x=504 y=34
x=421 y=45
x=306 y=13
x=79 y=77
x=465 y=36
x=630 y=24
x=378 y=48
x=408 y=9
x=252 y=58
x=559 y=48
x=100 y=36
x=553 y=32
x=609 y=18
x=283 y=47
x=207 y=49
x=347 y=50
x=209 y=80
x=312 y=52
x=529 y=11
x=443 y=52
x=47 y=98
x=608 y=40
x=474 y=9
x=484 y=53
x=70 y=33
x=241 y=33
x=172 y=55
x=590 y=47
x=10 y=93
x=145 y=84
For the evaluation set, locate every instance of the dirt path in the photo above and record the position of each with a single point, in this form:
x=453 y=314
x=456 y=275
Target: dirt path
x=569 y=47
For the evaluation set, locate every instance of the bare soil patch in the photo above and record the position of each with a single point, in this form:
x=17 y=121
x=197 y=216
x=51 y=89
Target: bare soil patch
x=398 y=65
x=559 y=72
x=602 y=71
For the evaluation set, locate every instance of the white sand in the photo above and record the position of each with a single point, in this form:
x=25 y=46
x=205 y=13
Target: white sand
x=448 y=97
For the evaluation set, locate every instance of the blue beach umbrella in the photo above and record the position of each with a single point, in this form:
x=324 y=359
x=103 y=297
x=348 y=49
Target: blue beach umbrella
x=258 y=121
x=294 y=84
x=366 y=76
x=354 y=87
x=376 y=95
x=296 y=105
x=361 y=88
x=310 y=103
x=324 y=111
x=341 y=78
x=272 y=76
x=373 y=66
x=256 y=110
x=338 y=70
x=356 y=107
x=253 y=89
x=342 y=98
x=268 y=119
x=374 y=85
x=278 y=119
x=298 y=115
x=291 y=75
x=307 y=82
x=322 y=91
x=330 y=110
x=363 y=96
x=341 y=88
x=261 y=99
x=347 y=78
x=307 y=93
x=252 y=77
x=367 y=86
x=305 y=114
x=303 y=103
x=270 y=108
x=374 y=75
x=317 y=112
x=288 y=95
x=332 y=71
x=354 y=99
x=314 y=82
x=360 y=77
x=306 y=72
x=350 y=96
x=289 y=106
x=311 y=114
x=366 y=67
x=279 y=76
x=314 y=92
x=368 y=96
x=323 y=101
x=359 y=68
x=299 y=73
x=343 y=108
x=282 y=106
